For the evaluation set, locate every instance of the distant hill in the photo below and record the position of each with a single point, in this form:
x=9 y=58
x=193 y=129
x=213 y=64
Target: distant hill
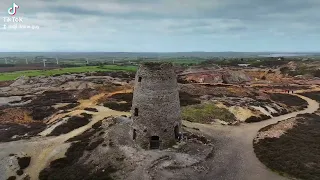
x=151 y=54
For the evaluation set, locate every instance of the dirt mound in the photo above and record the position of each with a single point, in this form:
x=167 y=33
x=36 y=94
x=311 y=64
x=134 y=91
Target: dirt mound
x=214 y=76
x=235 y=77
x=71 y=85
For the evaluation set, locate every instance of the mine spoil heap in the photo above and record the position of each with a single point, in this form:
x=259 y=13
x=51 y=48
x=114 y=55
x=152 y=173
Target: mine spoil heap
x=155 y=107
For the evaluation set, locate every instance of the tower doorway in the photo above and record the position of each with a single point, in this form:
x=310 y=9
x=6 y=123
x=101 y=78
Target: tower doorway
x=134 y=134
x=154 y=142
x=176 y=132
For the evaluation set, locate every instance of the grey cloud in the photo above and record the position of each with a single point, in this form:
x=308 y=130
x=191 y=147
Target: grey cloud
x=74 y=10
x=245 y=10
x=227 y=16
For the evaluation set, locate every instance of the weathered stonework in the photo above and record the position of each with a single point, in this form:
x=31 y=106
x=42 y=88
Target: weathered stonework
x=156 y=106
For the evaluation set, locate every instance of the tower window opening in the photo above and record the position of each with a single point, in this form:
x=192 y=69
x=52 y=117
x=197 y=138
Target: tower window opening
x=134 y=134
x=154 y=142
x=176 y=132
x=135 y=111
x=139 y=79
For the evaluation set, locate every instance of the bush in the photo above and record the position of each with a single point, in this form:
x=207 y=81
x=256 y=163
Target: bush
x=295 y=153
x=253 y=119
x=312 y=95
x=125 y=107
x=72 y=124
x=288 y=99
x=188 y=99
x=316 y=73
x=206 y=113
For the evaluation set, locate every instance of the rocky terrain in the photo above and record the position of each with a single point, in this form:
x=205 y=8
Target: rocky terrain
x=76 y=126
x=30 y=85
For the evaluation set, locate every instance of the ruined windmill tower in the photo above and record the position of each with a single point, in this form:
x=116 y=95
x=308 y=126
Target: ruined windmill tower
x=156 y=106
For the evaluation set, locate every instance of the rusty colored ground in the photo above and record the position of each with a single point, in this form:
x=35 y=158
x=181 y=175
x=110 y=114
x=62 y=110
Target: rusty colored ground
x=15 y=115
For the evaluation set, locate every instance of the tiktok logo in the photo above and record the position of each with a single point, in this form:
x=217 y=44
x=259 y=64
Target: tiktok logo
x=13 y=10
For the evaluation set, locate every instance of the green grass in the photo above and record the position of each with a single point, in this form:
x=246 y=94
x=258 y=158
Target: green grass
x=206 y=113
x=13 y=75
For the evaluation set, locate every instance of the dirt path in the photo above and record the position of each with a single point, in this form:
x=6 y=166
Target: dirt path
x=235 y=158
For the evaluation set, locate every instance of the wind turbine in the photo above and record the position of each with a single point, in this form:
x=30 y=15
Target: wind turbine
x=5 y=59
x=44 y=62
x=87 y=60
x=113 y=61
x=26 y=60
x=57 y=60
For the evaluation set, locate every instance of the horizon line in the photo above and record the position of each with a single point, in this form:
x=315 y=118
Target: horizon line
x=159 y=51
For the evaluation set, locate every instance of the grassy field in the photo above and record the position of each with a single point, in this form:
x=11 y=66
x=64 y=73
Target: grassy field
x=206 y=113
x=13 y=75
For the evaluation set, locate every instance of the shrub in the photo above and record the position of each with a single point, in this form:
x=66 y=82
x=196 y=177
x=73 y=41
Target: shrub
x=312 y=95
x=288 y=99
x=125 y=107
x=71 y=124
x=295 y=153
x=257 y=119
x=188 y=99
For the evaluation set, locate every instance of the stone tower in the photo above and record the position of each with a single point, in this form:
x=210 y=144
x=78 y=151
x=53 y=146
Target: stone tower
x=155 y=106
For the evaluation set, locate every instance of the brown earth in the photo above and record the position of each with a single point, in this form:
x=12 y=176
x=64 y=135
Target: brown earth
x=15 y=115
x=5 y=83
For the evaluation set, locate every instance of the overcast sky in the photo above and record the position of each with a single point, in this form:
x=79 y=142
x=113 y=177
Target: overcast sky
x=164 y=25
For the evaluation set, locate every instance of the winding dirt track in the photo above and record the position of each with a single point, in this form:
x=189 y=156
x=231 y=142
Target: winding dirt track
x=235 y=158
